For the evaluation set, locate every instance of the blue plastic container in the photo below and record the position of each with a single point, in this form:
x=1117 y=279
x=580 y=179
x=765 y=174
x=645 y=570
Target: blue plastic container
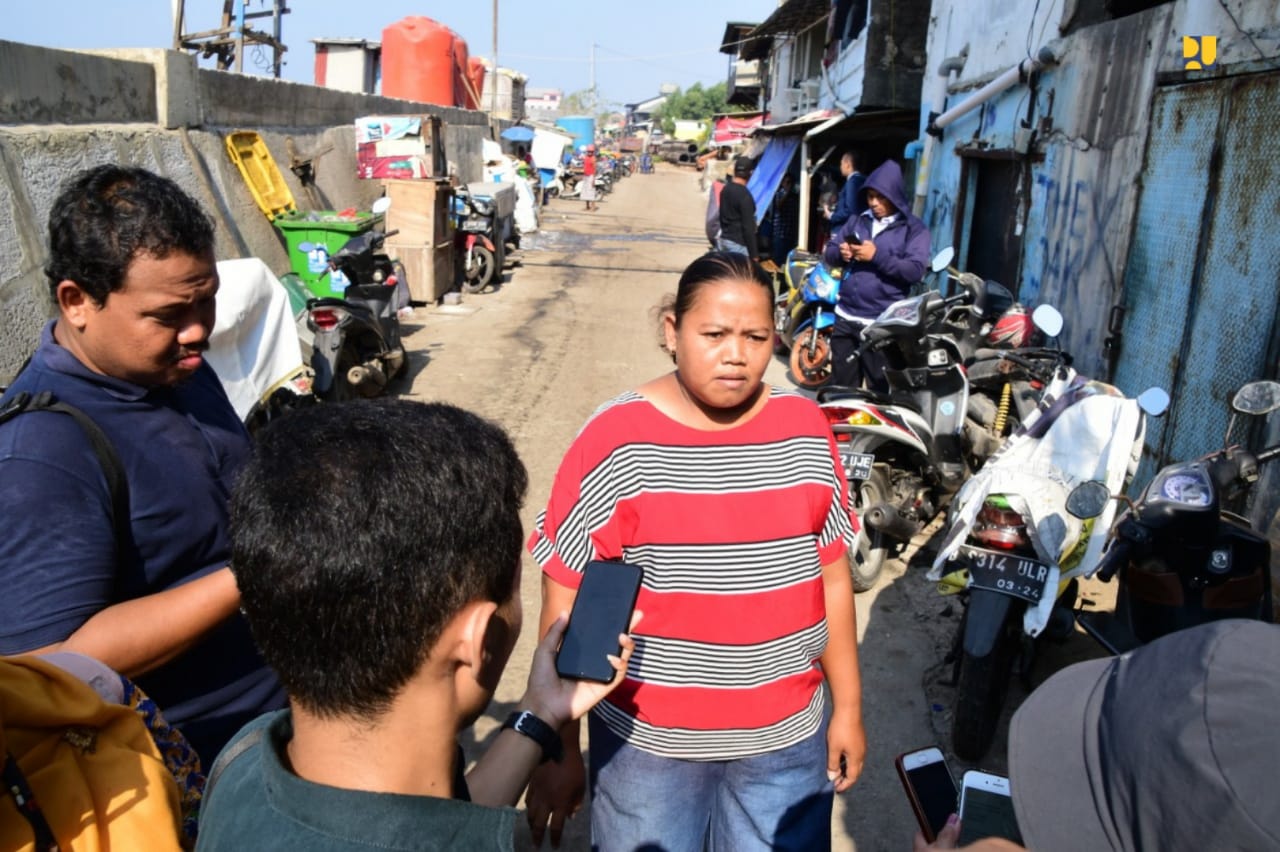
x=581 y=127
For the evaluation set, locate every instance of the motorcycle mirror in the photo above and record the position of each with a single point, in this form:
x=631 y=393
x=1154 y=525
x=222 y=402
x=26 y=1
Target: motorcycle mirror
x=942 y=259
x=1257 y=398
x=382 y=205
x=1047 y=319
x=1154 y=401
x=1088 y=499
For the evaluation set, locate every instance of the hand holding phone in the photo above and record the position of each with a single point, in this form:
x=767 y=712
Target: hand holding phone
x=853 y=239
x=986 y=808
x=931 y=789
x=601 y=611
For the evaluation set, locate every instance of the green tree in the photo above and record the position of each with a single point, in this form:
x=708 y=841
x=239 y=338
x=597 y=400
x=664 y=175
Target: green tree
x=695 y=103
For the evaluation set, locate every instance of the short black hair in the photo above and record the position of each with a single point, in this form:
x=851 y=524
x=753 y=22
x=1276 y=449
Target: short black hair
x=358 y=530
x=105 y=216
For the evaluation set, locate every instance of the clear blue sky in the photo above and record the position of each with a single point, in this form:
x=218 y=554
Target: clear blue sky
x=639 y=45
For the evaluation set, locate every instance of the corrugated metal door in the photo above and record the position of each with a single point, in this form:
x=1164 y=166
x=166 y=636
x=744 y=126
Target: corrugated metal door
x=1201 y=281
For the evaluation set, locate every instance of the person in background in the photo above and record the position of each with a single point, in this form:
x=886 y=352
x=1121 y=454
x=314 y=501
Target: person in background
x=885 y=250
x=738 y=213
x=851 y=201
x=143 y=587
x=1170 y=747
x=389 y=636
x=727 y=492
x=785 y=213
x=588 y=183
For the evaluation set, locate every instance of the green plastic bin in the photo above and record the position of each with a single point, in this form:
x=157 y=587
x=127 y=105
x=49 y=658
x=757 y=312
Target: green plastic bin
x=326 y=231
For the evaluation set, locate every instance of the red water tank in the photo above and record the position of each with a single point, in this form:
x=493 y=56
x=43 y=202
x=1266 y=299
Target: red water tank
x=418 y=61
x=475 y=73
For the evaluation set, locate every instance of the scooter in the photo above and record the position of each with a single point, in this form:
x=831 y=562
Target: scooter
x=475 y=241
x=1183 y=556
x=805 y=315
x=1014 y=551
x=905 y=452
x=357 y=346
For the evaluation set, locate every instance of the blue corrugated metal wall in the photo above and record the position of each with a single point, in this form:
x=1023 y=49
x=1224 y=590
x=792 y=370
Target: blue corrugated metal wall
x=1201 y=281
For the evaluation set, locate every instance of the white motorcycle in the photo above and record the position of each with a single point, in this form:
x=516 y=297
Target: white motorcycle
x=1015 y=551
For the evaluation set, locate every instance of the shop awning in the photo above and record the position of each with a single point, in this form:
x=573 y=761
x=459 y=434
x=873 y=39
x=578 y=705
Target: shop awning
x=796 y=126
x=792 y=17
x=769 y=170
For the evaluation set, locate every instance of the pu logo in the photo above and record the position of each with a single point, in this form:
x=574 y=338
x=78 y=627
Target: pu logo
x=1199 y=51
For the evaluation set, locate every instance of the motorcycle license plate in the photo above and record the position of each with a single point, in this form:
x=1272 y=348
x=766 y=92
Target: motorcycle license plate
x=1006 y=573
x=857 y=465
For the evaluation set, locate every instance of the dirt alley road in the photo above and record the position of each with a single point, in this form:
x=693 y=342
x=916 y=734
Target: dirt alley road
x=574 y=326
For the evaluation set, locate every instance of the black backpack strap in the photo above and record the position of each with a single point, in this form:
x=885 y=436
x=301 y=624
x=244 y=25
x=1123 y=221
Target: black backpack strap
x=112 y=469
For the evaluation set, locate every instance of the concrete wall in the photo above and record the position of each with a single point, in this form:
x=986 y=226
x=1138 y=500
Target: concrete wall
x=1091 y=114
x=63 y=111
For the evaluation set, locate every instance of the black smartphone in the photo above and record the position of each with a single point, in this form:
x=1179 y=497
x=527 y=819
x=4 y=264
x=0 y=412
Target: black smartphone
x=931 y=789
x=602 y=610
x=853 y=239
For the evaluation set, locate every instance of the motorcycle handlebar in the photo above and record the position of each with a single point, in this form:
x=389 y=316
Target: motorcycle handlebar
x=1268 y=454
x=1114 y=559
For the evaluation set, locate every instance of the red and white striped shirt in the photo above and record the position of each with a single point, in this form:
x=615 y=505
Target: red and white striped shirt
x=732 y=529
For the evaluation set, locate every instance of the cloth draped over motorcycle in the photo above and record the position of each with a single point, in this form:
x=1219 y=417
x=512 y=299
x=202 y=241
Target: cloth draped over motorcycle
x=1082 y=430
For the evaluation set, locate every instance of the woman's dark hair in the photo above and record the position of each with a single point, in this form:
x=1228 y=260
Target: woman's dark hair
x=711 y=267
x=105 y=216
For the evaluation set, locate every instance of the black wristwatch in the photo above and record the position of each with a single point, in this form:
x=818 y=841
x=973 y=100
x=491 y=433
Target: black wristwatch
x=539 y=731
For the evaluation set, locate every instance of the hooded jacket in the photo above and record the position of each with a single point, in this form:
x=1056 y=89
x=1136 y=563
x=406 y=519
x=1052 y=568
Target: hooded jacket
x=902 y=251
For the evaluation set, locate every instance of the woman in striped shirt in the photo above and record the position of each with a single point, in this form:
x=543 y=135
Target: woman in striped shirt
x=729 y=495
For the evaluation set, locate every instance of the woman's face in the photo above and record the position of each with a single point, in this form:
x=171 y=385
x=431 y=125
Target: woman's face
x=723 y=343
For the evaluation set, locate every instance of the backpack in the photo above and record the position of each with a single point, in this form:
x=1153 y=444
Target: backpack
x=79 y=773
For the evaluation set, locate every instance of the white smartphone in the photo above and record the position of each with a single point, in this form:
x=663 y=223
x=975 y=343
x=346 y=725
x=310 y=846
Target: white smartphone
x=986 y=808
x=930 y=787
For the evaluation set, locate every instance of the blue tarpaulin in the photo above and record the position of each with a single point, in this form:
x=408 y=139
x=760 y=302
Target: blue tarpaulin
x=769 y=171
x=518 y=134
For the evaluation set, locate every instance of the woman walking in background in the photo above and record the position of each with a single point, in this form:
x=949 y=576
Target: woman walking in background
x=728 y=493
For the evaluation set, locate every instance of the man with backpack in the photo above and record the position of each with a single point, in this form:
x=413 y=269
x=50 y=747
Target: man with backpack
x=118 y=449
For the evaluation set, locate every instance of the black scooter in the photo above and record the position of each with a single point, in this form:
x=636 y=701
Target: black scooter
x=1183 y=555
x=357 y=346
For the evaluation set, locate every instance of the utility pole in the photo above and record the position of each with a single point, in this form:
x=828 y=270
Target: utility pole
x=493 y=96
x=593 y=79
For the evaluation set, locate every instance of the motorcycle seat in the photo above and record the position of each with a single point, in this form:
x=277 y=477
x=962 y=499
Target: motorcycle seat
x=835 y=392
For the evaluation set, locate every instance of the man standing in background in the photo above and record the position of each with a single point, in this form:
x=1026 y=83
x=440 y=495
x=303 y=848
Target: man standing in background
x=850 y=202
x=738 y=213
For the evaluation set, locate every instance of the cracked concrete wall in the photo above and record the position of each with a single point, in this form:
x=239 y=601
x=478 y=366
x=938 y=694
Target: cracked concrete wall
x=64 y=111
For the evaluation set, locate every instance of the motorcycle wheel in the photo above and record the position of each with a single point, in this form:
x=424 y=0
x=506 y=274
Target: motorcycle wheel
x=342 y=390
x=980 y=693
x=811 y=370
x=866 y=564
x=477 y=275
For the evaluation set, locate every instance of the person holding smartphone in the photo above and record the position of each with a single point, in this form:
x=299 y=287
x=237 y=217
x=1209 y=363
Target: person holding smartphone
x=885 y=250
x=1169 y=747
x=728 y=494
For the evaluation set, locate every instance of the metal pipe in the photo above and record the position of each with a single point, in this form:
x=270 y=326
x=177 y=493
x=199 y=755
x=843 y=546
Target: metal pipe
x=939 y=98
x=1021 y=71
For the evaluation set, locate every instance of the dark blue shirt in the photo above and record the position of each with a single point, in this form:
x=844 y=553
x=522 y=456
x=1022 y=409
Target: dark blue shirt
x=180 y=448
x=851 y=202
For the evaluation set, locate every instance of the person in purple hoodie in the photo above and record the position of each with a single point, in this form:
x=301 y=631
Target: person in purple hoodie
x=884 y=250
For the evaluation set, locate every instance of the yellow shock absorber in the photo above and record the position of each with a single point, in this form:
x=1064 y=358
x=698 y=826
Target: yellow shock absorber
x=1002 y=414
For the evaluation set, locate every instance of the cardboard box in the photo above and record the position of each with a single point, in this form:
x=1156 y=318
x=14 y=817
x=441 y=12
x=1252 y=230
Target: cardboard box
x=402 y=147
x=429 y=269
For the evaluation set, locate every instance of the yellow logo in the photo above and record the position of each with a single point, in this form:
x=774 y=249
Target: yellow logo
x=1199 y=51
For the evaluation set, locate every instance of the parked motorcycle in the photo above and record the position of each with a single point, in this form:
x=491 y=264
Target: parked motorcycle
x=1015 y=552
x=805 y=315
x=908 y=451
x=479 y=251
x=357 y=347
x=1183 y=555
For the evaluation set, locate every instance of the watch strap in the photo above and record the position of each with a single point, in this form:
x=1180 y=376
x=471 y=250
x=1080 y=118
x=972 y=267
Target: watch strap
x=540 y=732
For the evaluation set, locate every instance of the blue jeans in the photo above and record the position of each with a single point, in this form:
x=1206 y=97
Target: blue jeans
x=641 y=802
x=730 y=246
